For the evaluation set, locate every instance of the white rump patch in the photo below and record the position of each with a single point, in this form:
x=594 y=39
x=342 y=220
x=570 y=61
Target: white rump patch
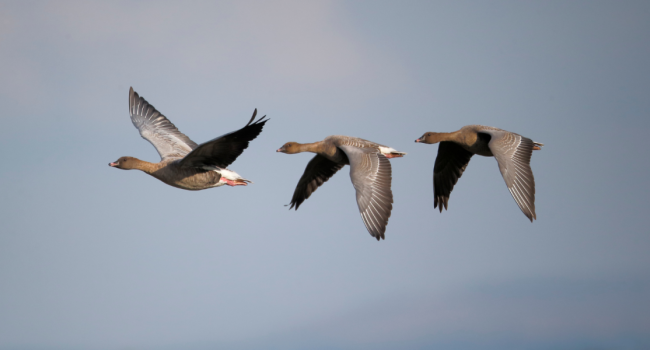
x=389 y=150
x=230 y=175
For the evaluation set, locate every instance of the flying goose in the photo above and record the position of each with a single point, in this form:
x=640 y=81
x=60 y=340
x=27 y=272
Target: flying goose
x=511 y=150
x=370 y=172
x=183 y=163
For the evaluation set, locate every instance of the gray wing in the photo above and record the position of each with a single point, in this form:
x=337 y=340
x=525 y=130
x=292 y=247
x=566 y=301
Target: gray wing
x=157 y=129
x=318 y=171
x=513 y=153
x=450 y=164
x=370 y=172
x=223 y=150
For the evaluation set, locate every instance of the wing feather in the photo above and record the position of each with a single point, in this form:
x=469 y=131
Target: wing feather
x=318 y=171
x=224 y=150
x=370 y=172
x=450 y=164
x=157 y=129
x=513 y=153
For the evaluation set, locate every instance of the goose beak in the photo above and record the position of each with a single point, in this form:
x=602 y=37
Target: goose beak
x=112 y=164
x=280 y=150
x=418 y=140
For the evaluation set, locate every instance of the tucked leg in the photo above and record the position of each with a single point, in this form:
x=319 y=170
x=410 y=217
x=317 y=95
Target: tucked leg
x=394 y=155
x=233 y=182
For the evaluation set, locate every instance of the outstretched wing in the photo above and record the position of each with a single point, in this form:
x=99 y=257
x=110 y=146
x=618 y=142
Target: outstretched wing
x=157 y=129
x=513 y=153
x=318 y=171
x=370 y=172
x=450 y=164
x=223 y=150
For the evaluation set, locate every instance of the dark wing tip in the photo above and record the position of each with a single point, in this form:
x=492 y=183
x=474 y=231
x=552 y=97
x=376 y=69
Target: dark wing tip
x=252 y=122
x=261 y=121
x=531 y=217
x=253 y=117
x=440 y=203
x=256 y=122
x=378 y=234
x=294 y=204
x=133 y=96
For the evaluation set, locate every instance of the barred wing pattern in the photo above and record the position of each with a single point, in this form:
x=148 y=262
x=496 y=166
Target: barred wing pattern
x=513 y=153
x=450 y=164
x=318 y=171
x=224 y=150
x=370 y=172
x=157 y=129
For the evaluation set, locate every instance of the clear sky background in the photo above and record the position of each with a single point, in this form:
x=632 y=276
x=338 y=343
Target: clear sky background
x=98 y=258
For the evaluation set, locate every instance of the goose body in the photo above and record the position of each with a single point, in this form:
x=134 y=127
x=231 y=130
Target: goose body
x=512 y=152
x=185 y=164
x=370 y=172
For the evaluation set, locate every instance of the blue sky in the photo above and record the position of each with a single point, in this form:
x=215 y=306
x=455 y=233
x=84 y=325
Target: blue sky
x=97 y=258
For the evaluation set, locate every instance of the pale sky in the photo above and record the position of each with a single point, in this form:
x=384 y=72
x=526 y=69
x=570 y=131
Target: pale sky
x=97 y=258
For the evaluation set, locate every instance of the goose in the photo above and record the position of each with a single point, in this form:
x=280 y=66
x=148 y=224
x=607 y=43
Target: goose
x=370 y=172
x=512 y=152
x=183 y=163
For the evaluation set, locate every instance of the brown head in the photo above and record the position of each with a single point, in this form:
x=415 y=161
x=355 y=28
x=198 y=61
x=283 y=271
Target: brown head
x=430 y=138
x=125 y=163
x=290 y=148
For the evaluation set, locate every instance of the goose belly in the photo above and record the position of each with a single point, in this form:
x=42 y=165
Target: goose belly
x=198 y=181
